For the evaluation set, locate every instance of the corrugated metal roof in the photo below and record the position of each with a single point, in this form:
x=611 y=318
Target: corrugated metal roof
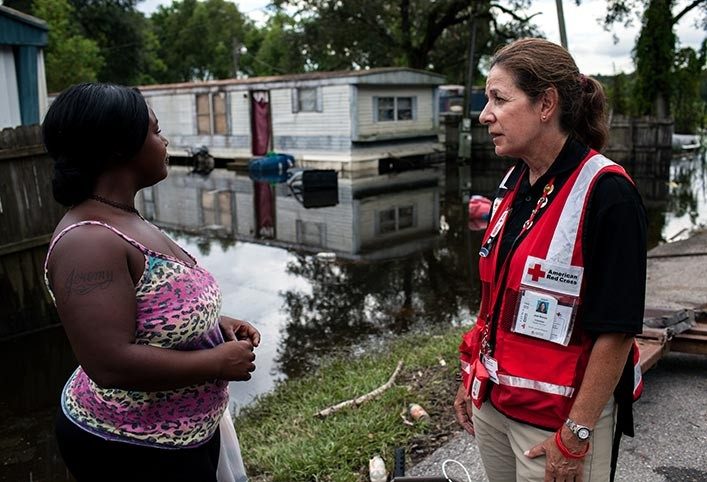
x=308 y=76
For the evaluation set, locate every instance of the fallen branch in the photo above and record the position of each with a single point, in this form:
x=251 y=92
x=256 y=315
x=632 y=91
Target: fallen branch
x=363 y=398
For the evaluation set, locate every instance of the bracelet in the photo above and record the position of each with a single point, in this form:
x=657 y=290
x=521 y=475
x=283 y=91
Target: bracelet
x=565 y=451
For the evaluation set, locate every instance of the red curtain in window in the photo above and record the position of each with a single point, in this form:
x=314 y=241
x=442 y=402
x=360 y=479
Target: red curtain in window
x=264 y=209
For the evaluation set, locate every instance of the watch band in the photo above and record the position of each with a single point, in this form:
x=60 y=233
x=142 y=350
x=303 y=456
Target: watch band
x=582 y=432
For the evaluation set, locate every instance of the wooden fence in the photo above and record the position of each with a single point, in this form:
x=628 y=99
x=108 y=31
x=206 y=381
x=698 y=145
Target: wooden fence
x=643 y=146
x=28 y=215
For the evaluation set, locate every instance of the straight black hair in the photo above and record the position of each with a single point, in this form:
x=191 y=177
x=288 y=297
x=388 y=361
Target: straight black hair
x=89 y=128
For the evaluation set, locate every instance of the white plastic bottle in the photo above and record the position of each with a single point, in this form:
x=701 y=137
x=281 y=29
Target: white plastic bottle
x=376 y=469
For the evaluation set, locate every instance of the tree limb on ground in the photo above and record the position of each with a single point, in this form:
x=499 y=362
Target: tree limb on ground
x=363 y=398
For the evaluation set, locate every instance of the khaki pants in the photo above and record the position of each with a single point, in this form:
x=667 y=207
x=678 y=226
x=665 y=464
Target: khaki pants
x=502 y=442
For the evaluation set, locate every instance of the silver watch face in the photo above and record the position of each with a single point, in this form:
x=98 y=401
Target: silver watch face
x=583 y=433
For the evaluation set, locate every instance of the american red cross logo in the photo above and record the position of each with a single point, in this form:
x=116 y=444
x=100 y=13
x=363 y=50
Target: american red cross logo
x=536 y=273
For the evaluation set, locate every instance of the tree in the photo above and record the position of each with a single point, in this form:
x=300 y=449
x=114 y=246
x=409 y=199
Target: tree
x=420 y=34
x=654 y=54
x=197 y=39
x=122 y=34
x=625 y=11
x=688 y=107
x=69 y=58
x=279 y=49
x=619 y=97
x=654 y=57
x=21 y=5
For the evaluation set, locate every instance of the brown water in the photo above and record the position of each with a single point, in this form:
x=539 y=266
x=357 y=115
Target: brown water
x=405 y=260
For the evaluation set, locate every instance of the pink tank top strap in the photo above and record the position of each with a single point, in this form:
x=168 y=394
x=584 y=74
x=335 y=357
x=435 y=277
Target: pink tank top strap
x=127 y=238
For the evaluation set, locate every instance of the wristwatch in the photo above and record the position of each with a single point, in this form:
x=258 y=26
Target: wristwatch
x=582 y=432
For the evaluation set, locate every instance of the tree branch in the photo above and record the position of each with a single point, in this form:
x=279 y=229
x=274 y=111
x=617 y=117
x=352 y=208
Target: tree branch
x=515 y=15
x=682 y=12
x=449 y=18
x=363 y=398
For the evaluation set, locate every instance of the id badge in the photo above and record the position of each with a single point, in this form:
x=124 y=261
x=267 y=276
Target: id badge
x=479 y=385
x=491 y=366
x=544 y=316
x=547 y=301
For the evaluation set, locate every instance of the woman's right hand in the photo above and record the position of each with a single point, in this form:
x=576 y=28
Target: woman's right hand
x=462 y=409
x=236 y=360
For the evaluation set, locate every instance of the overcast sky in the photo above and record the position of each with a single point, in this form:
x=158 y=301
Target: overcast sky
x=593 y=48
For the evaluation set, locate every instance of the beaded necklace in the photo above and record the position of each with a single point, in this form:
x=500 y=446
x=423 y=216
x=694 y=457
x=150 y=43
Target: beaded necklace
x=118 y=205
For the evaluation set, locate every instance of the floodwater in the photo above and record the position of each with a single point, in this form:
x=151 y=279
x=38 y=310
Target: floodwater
x=396 y=254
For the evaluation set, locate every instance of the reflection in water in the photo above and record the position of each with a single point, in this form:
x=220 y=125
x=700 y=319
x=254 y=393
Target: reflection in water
x=347 y=303
x=686 y=210
x=396 y=268
x=391 y=270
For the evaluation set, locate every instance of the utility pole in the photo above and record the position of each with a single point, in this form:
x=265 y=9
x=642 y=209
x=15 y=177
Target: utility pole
x=470 y=67
x=236 y=56
x=561 y=21
x=464 y=151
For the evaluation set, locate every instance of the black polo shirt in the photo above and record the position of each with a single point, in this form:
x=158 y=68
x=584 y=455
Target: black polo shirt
x=614 y=242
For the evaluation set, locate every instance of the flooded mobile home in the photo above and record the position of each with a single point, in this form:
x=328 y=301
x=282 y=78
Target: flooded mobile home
x=350 y=121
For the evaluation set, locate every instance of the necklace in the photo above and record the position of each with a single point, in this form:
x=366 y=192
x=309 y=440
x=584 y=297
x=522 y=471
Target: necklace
x=124 y=207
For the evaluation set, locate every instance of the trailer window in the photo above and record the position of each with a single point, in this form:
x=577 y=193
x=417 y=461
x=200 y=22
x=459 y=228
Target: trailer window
x=211 y=114
x=203 y=114
x=391 y=109
x=307 y=99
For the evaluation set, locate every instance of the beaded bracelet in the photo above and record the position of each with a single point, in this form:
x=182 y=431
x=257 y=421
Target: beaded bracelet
x=565 y=451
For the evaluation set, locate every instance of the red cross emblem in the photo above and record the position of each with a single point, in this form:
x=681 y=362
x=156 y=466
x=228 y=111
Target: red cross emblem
x=536 y=273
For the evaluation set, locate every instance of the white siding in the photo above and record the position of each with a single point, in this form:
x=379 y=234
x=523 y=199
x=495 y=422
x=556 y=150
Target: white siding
x=369 y=129
x=9 y=94
x=337 y=221
x=424 y=206
x=41 y=85
x=192 y=202
x=176 y=113
x=240 y=113
x=245 y=219
x=326 y=130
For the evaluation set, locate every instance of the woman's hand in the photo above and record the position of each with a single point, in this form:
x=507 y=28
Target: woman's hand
x=235 y=360
x=557 y=467
x=234 y=329
x=462 y=409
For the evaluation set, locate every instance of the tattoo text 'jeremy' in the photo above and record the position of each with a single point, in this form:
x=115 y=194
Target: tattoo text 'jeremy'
x=83 y=283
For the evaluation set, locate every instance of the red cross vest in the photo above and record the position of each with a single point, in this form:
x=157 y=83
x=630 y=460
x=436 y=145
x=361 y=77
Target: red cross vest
x=538 y=370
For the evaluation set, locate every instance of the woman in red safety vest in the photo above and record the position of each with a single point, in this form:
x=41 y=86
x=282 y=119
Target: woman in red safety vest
x=550 y=369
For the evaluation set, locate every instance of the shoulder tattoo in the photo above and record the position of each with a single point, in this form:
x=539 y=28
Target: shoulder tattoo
x=81 y=283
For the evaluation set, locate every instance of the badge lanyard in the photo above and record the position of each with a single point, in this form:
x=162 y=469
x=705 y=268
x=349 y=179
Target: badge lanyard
x=539 y=205
x=542 y=202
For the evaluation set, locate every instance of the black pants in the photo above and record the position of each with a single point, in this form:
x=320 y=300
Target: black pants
x=90 y=458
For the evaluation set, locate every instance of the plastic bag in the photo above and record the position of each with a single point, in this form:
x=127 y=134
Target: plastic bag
x=230 y=462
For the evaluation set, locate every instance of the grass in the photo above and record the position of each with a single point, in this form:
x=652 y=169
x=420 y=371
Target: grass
x=282 y=440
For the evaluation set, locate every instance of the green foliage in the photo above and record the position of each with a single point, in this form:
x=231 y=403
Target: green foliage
x=654 y=54
x=278 y=48
x=121 y=33
x=654 y=57
x=688 y=107
x=69 y=58
x=619 y=95
x=282 y=440
x=197 y=39
x=21 y=5
x=349 y=34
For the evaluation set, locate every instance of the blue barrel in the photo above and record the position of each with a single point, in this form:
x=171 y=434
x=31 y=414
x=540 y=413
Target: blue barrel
x=271 y=168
